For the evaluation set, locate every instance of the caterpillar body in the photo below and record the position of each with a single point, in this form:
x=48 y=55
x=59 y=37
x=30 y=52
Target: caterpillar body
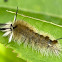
x=22 y=32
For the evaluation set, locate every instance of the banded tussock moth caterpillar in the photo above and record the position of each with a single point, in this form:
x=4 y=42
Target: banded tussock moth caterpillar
x=22 y=32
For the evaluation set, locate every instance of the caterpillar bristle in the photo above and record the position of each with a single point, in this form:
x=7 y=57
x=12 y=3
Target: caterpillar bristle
x=4 y=28
x=1 y=24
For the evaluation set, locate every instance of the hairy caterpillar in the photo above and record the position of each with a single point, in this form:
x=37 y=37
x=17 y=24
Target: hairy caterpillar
x=22 y=32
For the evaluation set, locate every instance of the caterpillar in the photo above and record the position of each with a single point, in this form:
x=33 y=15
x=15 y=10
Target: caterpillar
x=22 y=32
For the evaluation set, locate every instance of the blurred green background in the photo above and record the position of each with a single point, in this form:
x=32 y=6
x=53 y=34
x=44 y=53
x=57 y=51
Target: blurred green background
x=49 y=10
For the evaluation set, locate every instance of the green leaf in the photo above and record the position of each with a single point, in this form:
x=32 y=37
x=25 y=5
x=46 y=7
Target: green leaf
x=49 y=10
x=40 y=10
x=27 y=53
x=7 y=55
